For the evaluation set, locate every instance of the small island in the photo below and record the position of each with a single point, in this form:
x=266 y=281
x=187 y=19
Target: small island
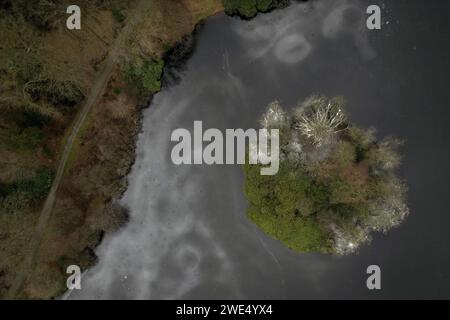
x=336 y=184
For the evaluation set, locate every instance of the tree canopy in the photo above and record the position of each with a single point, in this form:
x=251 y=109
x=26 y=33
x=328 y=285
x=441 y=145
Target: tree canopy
x=249 y=8
x=336 y=184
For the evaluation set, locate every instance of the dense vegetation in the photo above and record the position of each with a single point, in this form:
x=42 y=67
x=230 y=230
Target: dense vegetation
x=249 y=8
x=144 y=75
x=34 y=90
x=24 y=192
x=39 y=93
x=43 y=13
x=28 y=79
x=336 y=183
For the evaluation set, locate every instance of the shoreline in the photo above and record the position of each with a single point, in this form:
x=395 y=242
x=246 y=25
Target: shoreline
x=87 y=205
x=175 y=60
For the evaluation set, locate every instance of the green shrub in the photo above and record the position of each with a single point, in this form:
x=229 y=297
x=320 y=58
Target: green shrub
x=118 y=15
x=249 y=8
x=42 y=14
x=28 y=138
x=345 y=153
x=117 y=90
x=39 y=86
x=24 y=130
x=144 y=75
x=25 y=67
x=31 y=118
x=56 y=93
x=264 y=5
x=24 y=192
x=38 y=186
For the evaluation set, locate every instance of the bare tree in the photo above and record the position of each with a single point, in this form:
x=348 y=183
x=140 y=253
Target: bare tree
x=274 y=117
x=319 y=120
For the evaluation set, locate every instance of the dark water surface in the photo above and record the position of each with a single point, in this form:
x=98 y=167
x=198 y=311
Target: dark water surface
x=188 y=236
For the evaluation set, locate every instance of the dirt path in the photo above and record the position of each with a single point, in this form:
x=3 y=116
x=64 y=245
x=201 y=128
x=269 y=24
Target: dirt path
x=95 y=92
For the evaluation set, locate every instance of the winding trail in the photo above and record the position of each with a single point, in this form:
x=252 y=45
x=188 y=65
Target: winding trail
x=96 y=91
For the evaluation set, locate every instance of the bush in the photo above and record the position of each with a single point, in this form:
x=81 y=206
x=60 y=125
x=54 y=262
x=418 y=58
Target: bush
x=40 y=88
x=42 y=14
x=25 y=67
x=28 y=138
x=249 y=8
x=31 y=118
x=24 y=130
x=118 y=15
x=56 y=93
x=144 y=75
x=25 y=192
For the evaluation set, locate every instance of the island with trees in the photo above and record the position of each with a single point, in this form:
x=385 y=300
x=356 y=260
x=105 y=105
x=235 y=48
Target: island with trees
x=336 y=184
